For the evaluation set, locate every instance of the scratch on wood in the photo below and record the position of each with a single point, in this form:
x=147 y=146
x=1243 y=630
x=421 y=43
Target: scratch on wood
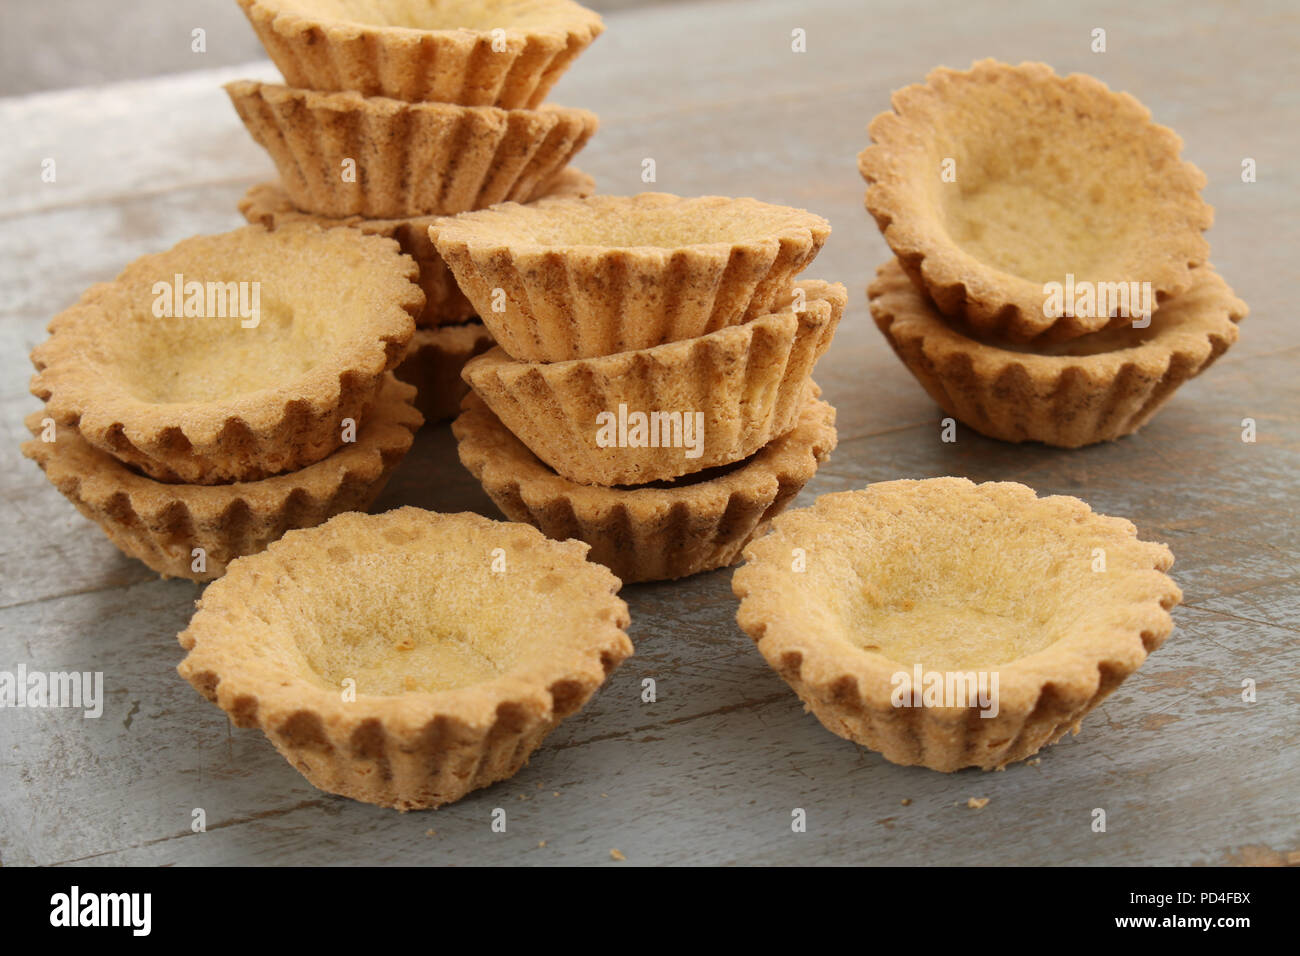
x=224 y=824
x=729 y=708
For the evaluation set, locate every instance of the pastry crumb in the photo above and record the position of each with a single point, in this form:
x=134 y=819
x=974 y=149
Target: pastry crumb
x=1035 y=762
x=907 y=801
x=430 y=832
x=541 y=844
x=977 y=803
x=616 y=855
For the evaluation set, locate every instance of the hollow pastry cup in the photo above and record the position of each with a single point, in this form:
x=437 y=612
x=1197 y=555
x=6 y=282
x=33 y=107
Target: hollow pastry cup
x=408 y=658
x=195 y=531
x=656 y=532
x=344 y=154
x=493 y=53
x=232 y=357
x=671 y=410
x=569 y=278
x=947 y=624
x=1095 y=388
x=1002 y=187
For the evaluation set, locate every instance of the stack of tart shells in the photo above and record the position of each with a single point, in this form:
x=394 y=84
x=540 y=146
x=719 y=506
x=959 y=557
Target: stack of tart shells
x=386 y=123
x=990 y=183
x=193 y=441
x=651 y=391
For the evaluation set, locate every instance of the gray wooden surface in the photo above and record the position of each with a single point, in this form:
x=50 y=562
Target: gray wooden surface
x=1187 y=772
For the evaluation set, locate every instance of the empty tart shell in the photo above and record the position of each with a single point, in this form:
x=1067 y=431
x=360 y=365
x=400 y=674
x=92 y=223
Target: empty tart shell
x=407 y=658
x=162 y=524
x=444 y=303
x=1095 y=388
x=209 y=399
x=433 y=364
x=562 y=279
x=500 y=53
x=659 y=413
x=1048 y=177
x=344 y=154
x=939 y=578
x=649 y=533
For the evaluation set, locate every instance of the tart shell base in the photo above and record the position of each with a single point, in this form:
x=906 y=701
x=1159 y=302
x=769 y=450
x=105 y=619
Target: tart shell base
x=952 y=739
x=449 y=764
x=579 y=295
x=648 y=533
x=408 y=159
x=1060 y=399
x=161 y=524
x=745 y=383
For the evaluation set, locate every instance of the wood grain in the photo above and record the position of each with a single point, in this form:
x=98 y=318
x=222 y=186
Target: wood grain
x=710 y=773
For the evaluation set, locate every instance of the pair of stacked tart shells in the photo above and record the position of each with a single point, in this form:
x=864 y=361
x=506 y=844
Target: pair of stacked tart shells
x=434 y=108
x=195 y=425
x=398 y=112
x=687 y=309
x=992 y=183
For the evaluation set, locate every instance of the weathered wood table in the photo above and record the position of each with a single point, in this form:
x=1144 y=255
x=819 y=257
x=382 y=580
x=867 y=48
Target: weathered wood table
x=1187 y=771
